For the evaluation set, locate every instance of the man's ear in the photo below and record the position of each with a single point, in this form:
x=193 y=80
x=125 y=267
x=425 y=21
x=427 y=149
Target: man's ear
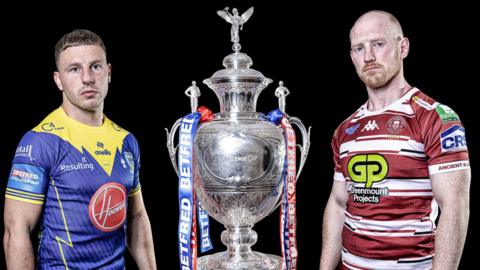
x=404 y=47
x=109 y=73
x=58 y=82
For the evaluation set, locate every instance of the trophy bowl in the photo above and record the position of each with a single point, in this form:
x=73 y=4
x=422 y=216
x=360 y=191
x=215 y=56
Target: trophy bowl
x=239 y=164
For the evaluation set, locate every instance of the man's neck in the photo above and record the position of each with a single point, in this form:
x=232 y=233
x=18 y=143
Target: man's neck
x=91 y=118
x=382 y=97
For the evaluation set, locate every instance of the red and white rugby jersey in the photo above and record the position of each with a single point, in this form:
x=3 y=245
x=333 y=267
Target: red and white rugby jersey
x=387 y=157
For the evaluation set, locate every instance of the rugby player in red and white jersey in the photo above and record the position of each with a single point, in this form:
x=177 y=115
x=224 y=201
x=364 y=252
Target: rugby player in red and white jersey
x=398 y=158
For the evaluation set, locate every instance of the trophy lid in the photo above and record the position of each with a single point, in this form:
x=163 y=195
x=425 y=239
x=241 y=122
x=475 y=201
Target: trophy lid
x=237 y=86
x=237 y=69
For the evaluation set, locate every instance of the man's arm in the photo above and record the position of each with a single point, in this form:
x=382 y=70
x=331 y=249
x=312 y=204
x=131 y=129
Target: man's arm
x=333 y=220
x=139 y=233
x=452 y=192
x=19 y=219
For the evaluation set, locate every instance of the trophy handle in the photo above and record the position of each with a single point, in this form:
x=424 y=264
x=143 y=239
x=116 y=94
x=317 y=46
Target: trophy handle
x=172 y=149
x=305 y=146
x=281 y=93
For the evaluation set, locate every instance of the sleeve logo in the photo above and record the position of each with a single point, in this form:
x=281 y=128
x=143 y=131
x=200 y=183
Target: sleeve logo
x=446 y=114
x=453 y=139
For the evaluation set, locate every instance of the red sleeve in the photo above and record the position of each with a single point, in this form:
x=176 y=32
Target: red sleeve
x=336 y=157
x=443 y=135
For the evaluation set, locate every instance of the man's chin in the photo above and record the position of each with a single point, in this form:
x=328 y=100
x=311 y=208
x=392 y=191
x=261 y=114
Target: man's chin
x=375 y=82
x=91 y=106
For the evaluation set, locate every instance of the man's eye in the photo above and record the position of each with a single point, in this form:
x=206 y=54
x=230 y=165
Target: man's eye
x=357 y=49
x=74 y=69
x=96 y=66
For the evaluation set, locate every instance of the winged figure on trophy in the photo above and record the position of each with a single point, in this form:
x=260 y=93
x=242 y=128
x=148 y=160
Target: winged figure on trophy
x=237 y=22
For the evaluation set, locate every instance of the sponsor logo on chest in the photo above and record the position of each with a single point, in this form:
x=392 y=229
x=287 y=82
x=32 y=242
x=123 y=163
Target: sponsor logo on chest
x=74 y=166
x=107 y=208
x=102 y=151
x=368 y=169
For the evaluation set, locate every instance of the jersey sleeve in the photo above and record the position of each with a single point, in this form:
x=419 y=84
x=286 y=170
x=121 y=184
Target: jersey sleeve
x=135 y=151
x=444 y=138
x=28 y=179
x=337 y=175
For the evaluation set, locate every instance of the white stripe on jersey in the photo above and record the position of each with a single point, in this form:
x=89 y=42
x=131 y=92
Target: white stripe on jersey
x=422 y=103
x=338 y=176
x=395 y=228
x=381 y=136
x=355 y=262
x=402 y=187
x=400 y=107
x=449 y=167
x=419 y=184
x=376 y=144
x=410 y=194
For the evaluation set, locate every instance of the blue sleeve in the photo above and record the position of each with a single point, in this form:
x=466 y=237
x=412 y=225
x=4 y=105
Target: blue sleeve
x=28 y=179
x=135 y=160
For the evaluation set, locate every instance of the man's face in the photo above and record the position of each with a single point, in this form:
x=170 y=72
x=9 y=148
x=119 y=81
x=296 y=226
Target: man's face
x=375 y=52
x=83 y=76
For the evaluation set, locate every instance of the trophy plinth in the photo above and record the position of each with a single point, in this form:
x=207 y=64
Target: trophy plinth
x=239 y=254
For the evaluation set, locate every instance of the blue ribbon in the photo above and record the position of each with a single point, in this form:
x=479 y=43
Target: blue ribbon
x=188 y=128
x=205 y=242
x=275 y=116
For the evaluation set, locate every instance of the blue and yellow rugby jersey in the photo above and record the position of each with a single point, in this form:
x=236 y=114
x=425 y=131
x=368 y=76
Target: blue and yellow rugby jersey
x=83 y=175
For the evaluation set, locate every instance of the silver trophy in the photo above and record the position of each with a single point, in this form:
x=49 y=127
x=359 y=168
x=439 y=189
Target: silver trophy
x=239 y=157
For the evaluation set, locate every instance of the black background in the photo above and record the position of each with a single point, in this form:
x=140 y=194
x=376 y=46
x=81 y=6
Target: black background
x=156 y=50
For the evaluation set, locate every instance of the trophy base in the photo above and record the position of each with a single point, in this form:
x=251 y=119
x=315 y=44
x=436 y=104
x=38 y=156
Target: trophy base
x=222 y=261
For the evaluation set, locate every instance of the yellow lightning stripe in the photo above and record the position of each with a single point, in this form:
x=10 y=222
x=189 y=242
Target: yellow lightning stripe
x=60 y=240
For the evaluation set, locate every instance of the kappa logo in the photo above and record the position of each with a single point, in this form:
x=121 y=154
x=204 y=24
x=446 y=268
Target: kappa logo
x=107 y=208
x=371 y=125
x=453 y=139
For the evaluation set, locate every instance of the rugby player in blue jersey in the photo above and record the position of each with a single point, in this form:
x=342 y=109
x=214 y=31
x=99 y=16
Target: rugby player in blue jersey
x=77 y=175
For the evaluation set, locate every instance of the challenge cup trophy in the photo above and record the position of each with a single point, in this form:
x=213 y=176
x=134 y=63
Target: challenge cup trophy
x=238 y=162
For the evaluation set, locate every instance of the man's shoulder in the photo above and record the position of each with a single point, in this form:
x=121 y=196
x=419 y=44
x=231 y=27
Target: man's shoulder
x=118 y=133
x=115 y=128
x=53 y=123
x=424 y=105
x=40 y=133
x=421 y=101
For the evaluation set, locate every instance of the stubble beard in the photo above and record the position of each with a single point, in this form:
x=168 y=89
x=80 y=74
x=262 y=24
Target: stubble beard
x=381 y=78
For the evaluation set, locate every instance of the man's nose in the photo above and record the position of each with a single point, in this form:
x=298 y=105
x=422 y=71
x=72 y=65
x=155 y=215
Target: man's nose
x=368 y=56
x=88 y=78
